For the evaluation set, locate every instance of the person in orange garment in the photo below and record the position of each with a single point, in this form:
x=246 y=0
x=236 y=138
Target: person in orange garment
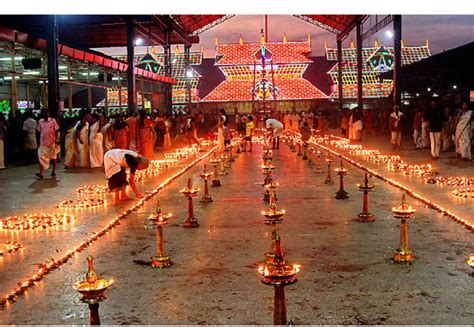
x=120 y=134
x=146 y=135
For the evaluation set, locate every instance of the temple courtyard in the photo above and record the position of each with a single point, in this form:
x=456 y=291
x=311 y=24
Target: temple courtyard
x=346 y=277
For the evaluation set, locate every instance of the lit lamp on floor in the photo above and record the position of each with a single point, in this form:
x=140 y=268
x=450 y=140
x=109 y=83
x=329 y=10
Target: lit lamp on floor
x=224 y=164
x=470 y=262
x=267 y=155
x=341 y=171
x=279 y=275
x=329 y=179
x=318 y=169
x=190 y=192
x=310 y=162
x=215 y=164
x=305 y=149
x=230 y=154
x=273 y=215
x=92 y=290
x=205 y=175
x=403 y=212
x=365 y=215
x=157 y=220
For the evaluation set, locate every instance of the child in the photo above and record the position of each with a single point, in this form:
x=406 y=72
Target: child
x=249 y=127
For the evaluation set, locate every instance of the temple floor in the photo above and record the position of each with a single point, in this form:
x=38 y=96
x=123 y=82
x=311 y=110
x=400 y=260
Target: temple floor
x=346 y=272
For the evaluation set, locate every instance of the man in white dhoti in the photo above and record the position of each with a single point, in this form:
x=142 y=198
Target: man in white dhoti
x=82 y=137
x=29 y=129
x=274 y=128
x=96 y=141
x=49 y=147
x=463 y=132
x=116 y=162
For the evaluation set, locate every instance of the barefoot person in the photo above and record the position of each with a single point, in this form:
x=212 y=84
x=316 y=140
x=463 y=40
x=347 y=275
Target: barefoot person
x=275 y=128
x=116 y=161
x=48 y=149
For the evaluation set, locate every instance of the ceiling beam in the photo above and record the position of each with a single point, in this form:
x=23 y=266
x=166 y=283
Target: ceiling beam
x=345 y=32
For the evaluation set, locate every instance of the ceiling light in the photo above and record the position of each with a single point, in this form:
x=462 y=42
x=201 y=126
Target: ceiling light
x=389 y=34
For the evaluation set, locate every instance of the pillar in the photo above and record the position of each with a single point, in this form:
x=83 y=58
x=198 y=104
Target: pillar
x=360 y=104
x=69 y=86
x=187 y=48
x=13 y=84
x=131 y=86
x=397 y=31
x=339 y=74
x=52 y=69
x=168 y=70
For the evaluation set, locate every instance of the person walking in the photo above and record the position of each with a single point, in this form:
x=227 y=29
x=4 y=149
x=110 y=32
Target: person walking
x=396 y=128
x=435 y=118
x=425 y=130
x=48 y=148
x=120 y=133
x=417 y=122
x=447 y=131
x=29 y=129
x=70 y=144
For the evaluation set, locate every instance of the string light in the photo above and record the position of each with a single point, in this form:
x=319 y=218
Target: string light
x=53 y=263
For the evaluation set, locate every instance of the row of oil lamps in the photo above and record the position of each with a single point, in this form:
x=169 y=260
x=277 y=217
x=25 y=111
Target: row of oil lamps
x=395 y=162
x=52 y=264
x=35 y=221
x=469 y=225
x=93 y=288
x=9 y=247
x=403 y=212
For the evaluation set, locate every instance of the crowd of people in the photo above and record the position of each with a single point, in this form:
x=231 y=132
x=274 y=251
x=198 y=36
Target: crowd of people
x=84 y=140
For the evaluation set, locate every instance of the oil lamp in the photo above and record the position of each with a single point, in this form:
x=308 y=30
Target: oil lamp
x=215 y=164
x=470 y=262
x=329 y=179
x=224 y=164
x=10 y=247
x=292 y=145
x=92 y=290
x=157 y=220
x=230 y=154
x=318 y=169
x=310 y=159
x=305 y=149
x=272 y=216
x=403 y=212
x=190 y=192
x=279 y=275
x=365 y=215
x=205 y=175
x=267 y=155
x=267 y=171
x=341 y=171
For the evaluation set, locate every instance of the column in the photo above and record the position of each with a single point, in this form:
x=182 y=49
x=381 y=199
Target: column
x=131 y=86
x=397 y=46
x=52 y=69
x=168 y=70
x=13 y=84
x=359 y=65
x=339 y=74
x=188 y=78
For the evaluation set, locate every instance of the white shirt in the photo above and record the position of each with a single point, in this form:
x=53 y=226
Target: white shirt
x=273 y=123
x=30 y=125
x=114 y=161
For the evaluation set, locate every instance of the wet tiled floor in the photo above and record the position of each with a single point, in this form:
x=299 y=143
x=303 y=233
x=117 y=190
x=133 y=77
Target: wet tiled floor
x=346 y=276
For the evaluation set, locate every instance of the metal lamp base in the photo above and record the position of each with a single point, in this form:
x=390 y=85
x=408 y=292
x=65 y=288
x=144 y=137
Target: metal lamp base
x=365 y=217
x=161 y=262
